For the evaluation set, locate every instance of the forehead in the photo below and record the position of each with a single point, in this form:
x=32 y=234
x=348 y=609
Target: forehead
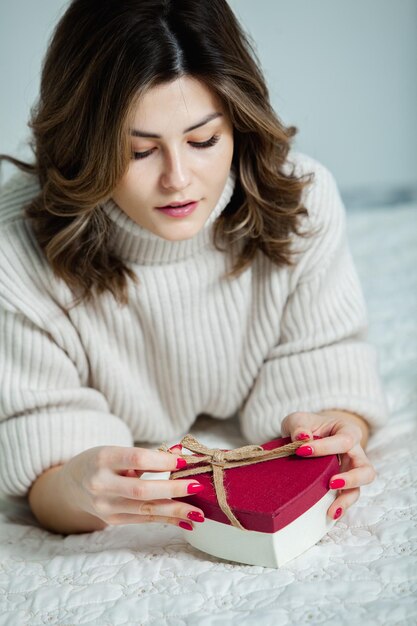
x=175 y=105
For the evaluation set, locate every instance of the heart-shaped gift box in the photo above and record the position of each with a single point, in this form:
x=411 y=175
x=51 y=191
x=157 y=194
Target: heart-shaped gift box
x=280 y=503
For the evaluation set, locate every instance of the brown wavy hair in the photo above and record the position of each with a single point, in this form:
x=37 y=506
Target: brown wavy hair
x=105 y=54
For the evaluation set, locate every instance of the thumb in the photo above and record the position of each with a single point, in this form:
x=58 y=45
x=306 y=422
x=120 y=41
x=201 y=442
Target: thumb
x=301 y=434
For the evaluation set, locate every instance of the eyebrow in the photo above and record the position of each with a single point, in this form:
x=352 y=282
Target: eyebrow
x=139 y=133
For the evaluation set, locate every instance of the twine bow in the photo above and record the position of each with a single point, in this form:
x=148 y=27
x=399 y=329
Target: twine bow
x=219 y=460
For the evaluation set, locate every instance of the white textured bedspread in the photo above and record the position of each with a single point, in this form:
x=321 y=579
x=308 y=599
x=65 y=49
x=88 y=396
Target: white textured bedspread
x=363 y=572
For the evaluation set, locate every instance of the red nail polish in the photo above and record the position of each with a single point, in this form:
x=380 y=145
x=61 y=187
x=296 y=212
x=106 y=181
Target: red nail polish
x=304 y=451
x=177 y=446
x=185 y=525
x=302 y=437
x=337 y=483
x=338 y=513
x=317 y=437
x=181 y=463
x=195 y=516
x=195 y=488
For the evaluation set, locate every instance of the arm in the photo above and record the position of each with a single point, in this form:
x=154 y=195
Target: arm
x=47 y=412
x=320 y=382
x=322 y=361
x=60 y=444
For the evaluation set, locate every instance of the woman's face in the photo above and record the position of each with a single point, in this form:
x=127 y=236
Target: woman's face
x=183 y=145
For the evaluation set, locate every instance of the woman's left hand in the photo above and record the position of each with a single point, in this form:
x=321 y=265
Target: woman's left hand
x=334 y=432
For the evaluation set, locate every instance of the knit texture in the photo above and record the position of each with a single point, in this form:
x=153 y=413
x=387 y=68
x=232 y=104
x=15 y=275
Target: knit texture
x=267 y=343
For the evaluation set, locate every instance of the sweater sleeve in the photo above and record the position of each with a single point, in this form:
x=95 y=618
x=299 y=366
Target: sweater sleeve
x=48 y=413
x=47 y=416
x=322 y=360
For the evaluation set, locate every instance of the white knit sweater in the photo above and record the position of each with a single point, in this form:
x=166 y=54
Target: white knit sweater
x=260 y=346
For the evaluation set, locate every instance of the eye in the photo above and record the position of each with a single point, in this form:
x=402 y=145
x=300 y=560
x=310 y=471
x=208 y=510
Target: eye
x=141 y=155
x=195 y=144
x=205 y=144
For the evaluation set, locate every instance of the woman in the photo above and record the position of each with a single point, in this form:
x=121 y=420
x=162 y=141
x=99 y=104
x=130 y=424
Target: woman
x=168 y=255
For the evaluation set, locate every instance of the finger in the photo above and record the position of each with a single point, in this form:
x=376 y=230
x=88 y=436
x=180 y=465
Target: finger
x=143 y=459
x=305 y=435
x=301 y=434
x=353 y=478
x=125 y=518
x=342 y=503
x=354 y=458
x=176 y=449
x=130 y=473
x=302 y=426
x=357 y=456
x=165 y=508
x=138 y=489
x=137 y=473
x=296 y=423
x=335 y=444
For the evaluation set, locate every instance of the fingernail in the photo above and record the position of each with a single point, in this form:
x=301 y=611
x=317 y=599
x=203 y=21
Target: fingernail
x=195 y=516
x=302 y=437
x=181 y=463
x=185 y=525
x=337 y=483
x=304 y=451
x=195 y=488
x=177 y=446
x=317 y=437
x=338 y=513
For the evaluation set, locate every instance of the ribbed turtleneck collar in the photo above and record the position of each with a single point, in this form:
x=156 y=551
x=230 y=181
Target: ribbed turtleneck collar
x=132 y=242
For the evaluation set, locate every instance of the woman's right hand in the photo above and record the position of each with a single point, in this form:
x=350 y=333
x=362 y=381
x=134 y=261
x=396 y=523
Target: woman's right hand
x=105 y=482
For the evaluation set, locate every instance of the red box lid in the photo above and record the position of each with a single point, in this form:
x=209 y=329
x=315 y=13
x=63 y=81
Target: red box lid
x=267 y=496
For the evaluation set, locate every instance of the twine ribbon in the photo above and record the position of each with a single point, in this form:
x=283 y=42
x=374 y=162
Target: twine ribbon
x=220 y=460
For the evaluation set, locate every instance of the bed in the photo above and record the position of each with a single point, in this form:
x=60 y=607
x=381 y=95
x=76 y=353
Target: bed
x=364 y=571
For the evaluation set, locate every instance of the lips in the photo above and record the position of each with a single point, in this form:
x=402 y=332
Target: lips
x=178 y=210
x=175 y=205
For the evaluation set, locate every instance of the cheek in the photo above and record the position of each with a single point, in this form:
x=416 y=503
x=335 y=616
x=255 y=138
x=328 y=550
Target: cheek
x=128 y=185
x=228 y=149
x=225 y=161
x=123 y=184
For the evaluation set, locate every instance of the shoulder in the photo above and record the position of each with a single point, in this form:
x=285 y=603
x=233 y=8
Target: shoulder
x=25 y=274
x=16 y=234
x=326 y=219
x=15 y=194
x=323 y=180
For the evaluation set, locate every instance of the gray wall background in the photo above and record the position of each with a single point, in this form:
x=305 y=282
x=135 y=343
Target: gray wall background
x=343 y=72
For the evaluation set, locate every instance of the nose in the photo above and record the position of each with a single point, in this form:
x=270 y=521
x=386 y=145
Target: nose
x=176 y=173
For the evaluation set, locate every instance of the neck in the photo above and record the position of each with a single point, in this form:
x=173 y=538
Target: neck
x=134 y=243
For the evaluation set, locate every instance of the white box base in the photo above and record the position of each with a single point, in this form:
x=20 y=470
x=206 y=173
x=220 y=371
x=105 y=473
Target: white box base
x=265 y=549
